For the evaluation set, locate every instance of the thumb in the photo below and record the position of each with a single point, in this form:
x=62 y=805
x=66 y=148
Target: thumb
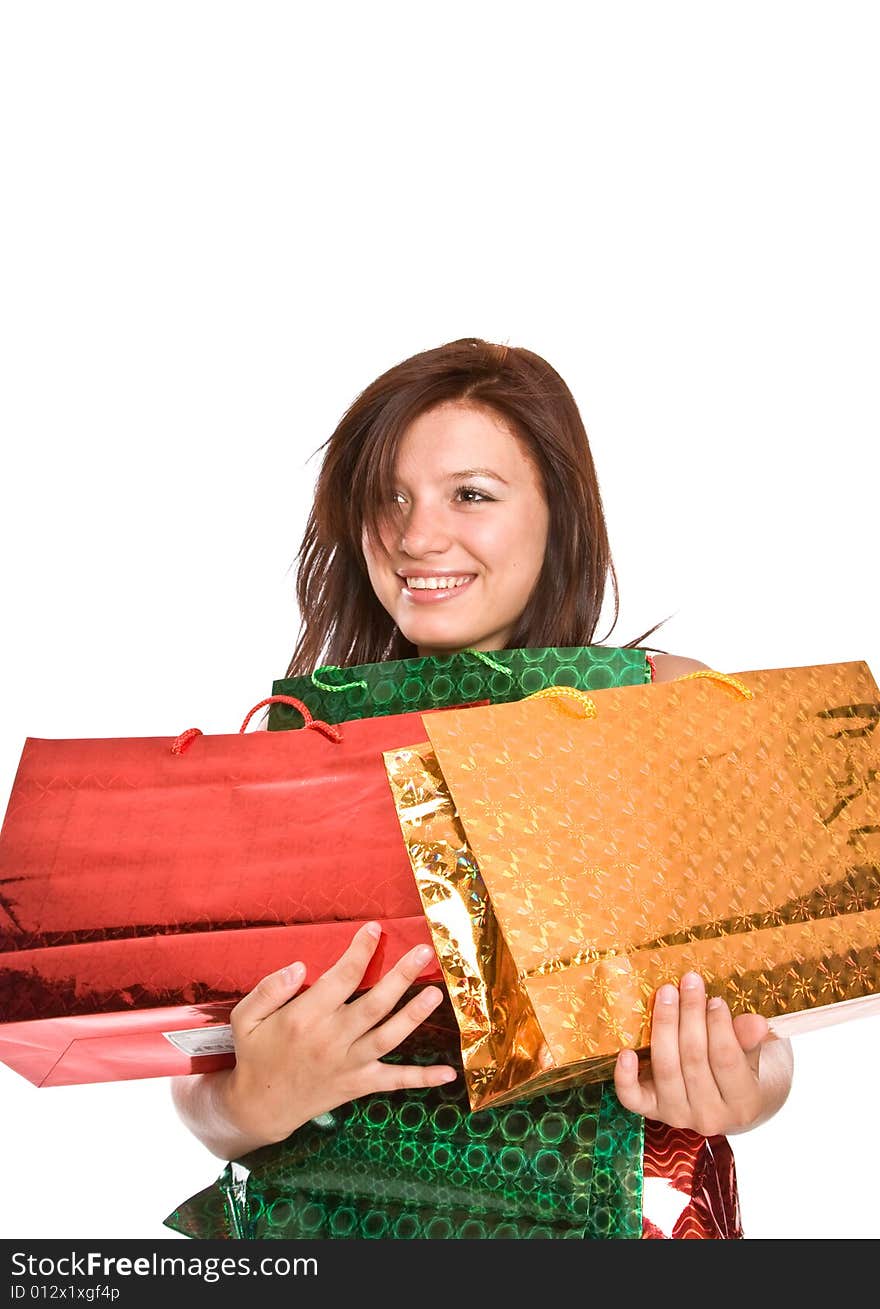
x=751 y=1030
x=269 y=994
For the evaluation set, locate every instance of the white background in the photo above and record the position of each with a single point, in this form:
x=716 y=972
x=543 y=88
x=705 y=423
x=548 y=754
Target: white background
x=221 y=221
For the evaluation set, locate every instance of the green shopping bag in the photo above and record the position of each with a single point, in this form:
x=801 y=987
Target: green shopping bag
x=397 y=686
x=417 y=1164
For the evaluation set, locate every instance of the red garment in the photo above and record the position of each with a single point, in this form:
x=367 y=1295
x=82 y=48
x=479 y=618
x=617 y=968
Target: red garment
x=690 y=1190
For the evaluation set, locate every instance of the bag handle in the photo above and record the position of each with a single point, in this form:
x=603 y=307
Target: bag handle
x=589 y=707
x=350 y=686
x=180 y=743
x=325 y=686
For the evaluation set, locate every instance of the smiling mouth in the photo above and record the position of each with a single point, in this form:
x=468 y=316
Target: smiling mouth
x=431 y=590
x=439 y=583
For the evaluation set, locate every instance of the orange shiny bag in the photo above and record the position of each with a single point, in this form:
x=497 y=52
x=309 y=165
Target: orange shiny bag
x=573 y=852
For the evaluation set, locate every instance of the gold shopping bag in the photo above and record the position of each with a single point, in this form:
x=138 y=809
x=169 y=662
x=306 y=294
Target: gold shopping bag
x=573 y=852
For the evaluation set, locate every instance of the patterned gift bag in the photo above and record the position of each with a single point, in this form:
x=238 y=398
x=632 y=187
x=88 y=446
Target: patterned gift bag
x=417 y=1164
x=599 y=1154
x=726 y=824
x=396 y=686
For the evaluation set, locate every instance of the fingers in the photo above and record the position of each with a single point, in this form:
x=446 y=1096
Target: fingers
x=269 y=994
x=704 y=1097
x=731 y=1067
x=751 y=1030
x=638 y=1098
x=374 y=1005
x=670 y=1090
x=334 y=987
x=380 y=1040
x=405 y=1077
x=702 y=1074
x=343 y=978
x=699 y=1077
x=703 y=1078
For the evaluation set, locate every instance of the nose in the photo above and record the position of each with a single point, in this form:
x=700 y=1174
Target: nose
x=423 y=531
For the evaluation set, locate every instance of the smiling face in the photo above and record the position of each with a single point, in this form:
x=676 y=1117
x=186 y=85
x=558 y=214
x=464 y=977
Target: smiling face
x=467 y=534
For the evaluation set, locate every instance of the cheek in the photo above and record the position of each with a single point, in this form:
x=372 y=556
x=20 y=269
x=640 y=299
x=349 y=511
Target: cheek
x=530 y=545
x=515 y=548
x=380 y=574
x=541 y=520
x=372 y=552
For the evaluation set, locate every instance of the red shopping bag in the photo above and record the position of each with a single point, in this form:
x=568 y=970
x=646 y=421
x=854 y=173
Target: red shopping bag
x=147 y=883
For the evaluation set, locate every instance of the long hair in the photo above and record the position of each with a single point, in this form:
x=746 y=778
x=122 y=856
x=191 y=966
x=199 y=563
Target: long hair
x=342 y=621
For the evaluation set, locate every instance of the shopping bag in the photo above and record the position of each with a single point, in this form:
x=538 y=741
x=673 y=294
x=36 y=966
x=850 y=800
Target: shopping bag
x=397 y=686
x=148 y=883
x=575 y=852
x=418 y=1164
x=566 y=1164
x=368 y=1175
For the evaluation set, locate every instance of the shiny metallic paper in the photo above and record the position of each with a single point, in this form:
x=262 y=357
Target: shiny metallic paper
x=417 y=1164
x=569 y=862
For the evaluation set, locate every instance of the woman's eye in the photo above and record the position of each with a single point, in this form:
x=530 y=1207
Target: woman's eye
x=470 y=494
x=473 y=494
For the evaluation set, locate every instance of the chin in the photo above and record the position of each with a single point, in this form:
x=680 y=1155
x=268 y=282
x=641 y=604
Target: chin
x=446 y=644
x=437 y=642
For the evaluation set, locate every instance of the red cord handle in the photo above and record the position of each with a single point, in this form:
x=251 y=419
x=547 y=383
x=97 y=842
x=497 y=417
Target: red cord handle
x=180 y=743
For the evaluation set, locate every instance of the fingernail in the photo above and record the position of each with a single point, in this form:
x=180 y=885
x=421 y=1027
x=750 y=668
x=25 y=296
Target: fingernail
x=293 y=972
x=430 y=997
x=449 y=1075
x=714 y=1002
x=691 y=982
x=668 y=994
x=374 y=930
x=422 y=954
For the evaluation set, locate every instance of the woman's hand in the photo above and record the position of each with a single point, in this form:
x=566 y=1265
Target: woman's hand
x=298 y=1056
x=708 y=1072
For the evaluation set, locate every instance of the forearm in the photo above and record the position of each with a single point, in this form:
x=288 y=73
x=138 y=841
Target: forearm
x=205 y=1105
x=775 y=1069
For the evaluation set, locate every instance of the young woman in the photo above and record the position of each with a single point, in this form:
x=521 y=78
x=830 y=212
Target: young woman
x=457 y=507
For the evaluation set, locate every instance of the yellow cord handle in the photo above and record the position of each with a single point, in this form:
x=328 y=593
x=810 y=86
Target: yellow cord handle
x=571 y=693
x=725 y=679
x=564 y=693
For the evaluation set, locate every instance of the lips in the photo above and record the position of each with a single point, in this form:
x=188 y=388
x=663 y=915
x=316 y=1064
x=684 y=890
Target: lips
x=436 y=595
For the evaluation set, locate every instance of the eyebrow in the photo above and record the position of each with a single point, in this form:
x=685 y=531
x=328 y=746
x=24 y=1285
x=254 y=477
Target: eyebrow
x=474 y=472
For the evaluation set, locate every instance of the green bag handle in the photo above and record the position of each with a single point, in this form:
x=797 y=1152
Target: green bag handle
x=350 y=686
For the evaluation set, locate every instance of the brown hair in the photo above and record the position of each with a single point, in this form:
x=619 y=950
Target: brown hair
x=343 y=622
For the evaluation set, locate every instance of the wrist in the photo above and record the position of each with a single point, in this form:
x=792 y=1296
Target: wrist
x=244 y=1108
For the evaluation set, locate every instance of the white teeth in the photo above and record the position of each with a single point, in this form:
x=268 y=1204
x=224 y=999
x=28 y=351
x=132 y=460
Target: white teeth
x=436 y=583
